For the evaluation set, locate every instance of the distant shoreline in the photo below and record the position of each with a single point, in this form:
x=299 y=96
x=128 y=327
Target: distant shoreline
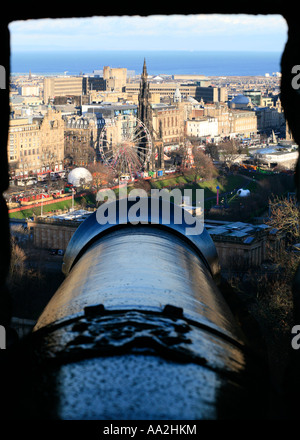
x=208 y=63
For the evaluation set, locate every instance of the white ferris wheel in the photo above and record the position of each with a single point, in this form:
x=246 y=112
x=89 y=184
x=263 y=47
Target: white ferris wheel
x=125 y=145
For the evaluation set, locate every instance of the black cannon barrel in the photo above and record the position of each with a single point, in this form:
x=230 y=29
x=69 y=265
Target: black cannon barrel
x=140 y=330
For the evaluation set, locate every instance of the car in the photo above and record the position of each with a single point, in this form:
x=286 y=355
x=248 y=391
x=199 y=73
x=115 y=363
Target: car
x=53 y=251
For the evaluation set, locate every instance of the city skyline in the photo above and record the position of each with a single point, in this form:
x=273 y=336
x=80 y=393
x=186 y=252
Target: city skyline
x=155 y=32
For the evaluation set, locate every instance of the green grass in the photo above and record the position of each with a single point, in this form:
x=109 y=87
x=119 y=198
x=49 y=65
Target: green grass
x=26 y=213
x=230 y=183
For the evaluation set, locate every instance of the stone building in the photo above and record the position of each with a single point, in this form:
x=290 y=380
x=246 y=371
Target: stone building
x=55 y=232
x=242 y=122
x=168 y=123
x=36 y=145
x=81 y=138
x=219 y=111
x=269 y=118
x=241 y=244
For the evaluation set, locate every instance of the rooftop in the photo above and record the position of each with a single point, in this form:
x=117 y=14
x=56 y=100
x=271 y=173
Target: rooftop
x=236 y=231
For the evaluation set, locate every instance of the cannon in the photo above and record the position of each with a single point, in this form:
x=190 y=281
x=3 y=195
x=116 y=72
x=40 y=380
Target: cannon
x=138 y=330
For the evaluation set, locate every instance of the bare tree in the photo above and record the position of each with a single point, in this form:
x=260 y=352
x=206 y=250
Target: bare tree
x=230 y=151
x=203 y=165
x=17 y=259
x=142 y=184
x=212 y=150
x=184 y=153
x=284 y=215
x=102 y=175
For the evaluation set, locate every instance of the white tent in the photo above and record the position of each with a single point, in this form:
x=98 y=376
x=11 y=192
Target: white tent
x=243 y=192
x=79 y=176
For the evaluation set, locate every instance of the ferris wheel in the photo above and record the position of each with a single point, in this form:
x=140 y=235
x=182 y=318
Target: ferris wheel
x=125 y=145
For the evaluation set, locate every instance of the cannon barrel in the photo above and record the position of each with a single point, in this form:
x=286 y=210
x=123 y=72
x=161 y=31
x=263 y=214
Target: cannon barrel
x=140 y=330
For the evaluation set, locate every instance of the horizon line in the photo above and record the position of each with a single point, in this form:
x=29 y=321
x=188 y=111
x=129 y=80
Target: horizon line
x=143 y=50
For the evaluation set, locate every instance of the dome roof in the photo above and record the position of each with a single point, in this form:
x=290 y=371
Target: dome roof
x=240 y=99
x=79 y=176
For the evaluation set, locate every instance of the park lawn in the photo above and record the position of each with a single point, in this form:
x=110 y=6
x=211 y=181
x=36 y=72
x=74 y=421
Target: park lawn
x=231 y=182
x=26 y=213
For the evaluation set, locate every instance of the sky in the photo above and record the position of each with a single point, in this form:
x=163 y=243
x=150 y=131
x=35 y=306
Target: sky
x=154 y=32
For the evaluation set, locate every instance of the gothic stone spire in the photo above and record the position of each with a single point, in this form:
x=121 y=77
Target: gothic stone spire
x=144 y=107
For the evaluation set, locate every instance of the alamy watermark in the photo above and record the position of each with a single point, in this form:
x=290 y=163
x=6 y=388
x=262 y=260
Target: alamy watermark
x=2 y=77
x=296 y=338
x=296 y=79
x=2 y=337
x=137 y=207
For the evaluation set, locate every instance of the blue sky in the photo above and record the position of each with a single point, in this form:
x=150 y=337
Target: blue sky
x=154 y=32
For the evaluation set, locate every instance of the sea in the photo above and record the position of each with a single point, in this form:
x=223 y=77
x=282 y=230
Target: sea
x=172 y=62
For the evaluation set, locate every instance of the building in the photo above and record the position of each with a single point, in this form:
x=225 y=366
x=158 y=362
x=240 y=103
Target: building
x=277 y=157
x=205 y=128
x=29 y=91
x=55 y=232
x=36 y=145
x=59 y=86
x=241 y=244
x=81 y=138
x=110 y=110
x=115 y=78
x=93 y=84
x=219 y=111
x=101 y=96
x=23 y=106
x=242 y=123
x=269 y=118
x=168 y=123
x=211 y=94
x=254 y=95
x=167 y=90
x=186 y=77
x=240 y=102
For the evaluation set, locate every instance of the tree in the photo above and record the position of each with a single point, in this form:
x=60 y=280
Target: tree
x=267 y=292
x=230 y=151
x=212 y=150
x=102 y=175
x=184 y=154
x=142 y=184
x=284 y=215
x=17 y=259
x=203 y=165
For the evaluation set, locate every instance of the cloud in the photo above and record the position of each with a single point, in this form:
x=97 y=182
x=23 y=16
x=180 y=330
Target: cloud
x=149 y=32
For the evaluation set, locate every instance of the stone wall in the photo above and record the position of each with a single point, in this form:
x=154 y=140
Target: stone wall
x=51 y=235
